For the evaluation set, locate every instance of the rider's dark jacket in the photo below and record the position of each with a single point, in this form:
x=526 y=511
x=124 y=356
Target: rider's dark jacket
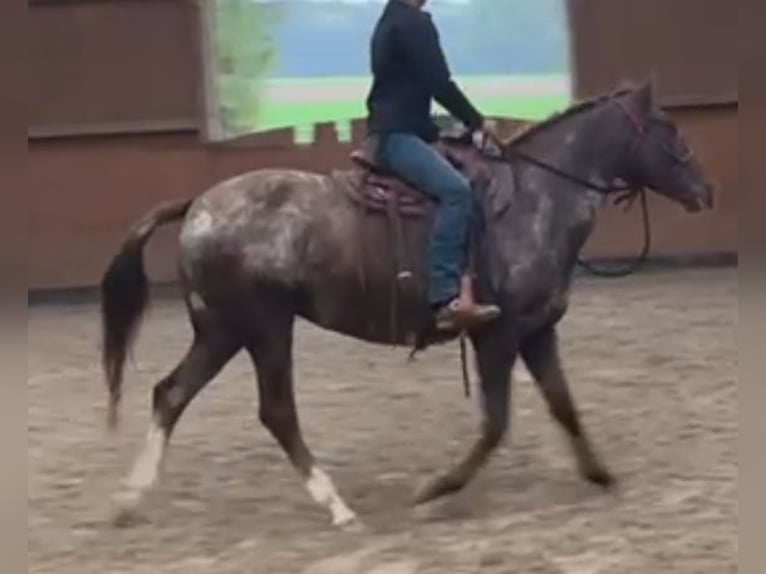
x=409 y=70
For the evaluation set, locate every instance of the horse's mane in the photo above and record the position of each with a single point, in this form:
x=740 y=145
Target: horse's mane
x=576 y=108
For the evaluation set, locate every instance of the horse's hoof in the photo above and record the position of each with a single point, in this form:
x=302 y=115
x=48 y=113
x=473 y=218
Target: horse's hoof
x=442 y=486
x=125 y=517
x=601 y=477
x=125 y=511
x=348 y=521
x=353 y=526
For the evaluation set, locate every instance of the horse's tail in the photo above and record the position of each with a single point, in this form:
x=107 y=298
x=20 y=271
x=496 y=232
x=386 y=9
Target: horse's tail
x=124 y=296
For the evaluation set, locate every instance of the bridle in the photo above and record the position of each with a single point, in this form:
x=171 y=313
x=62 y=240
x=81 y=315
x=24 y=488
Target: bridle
x=643 y=132
x=625 y=194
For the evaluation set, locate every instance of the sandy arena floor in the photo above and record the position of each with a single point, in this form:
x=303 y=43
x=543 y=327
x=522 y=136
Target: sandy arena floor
x=653 y=364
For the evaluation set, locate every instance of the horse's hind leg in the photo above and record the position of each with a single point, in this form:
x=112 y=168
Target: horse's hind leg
x=211 y=349
x=540 y=354
x=495 y=356
x=271 y=352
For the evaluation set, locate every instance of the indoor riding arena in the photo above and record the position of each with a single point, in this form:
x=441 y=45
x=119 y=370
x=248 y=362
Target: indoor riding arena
x=651 y=356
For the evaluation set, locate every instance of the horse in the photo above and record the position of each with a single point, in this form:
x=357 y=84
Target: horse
x=266 y=247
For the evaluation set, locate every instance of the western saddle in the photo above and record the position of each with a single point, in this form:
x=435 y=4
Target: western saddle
x=382 y=190
x=376 y=189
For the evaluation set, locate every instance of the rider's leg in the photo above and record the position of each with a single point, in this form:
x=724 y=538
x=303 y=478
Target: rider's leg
x=425 y=168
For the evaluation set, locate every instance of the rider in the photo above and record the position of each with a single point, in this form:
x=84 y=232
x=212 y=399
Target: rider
x=409 y=70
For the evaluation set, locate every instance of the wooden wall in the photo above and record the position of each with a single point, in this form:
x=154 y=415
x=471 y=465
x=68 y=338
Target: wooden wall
x=689 y=48
x=117 y=113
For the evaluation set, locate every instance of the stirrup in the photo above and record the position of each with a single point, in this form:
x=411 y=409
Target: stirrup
x=452 y=318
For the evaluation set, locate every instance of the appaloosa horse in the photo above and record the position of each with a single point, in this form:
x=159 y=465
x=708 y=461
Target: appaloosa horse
x=261 y=249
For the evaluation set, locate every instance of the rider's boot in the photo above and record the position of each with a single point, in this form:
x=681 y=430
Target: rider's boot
x=463 y=312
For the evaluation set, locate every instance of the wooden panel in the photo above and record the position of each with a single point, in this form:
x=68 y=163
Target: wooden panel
x=85 y=193
x=689 y=44
x=713 y=135
x=112 y=64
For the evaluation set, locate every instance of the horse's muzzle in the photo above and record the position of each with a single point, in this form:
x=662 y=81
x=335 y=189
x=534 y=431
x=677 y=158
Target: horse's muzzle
x=703 y=198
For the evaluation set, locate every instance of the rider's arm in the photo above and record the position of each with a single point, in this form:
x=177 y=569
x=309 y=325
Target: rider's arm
x=421 y=41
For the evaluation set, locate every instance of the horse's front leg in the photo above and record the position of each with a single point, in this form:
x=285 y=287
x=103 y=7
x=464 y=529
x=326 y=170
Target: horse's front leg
x=495 y=356
x=540 y=353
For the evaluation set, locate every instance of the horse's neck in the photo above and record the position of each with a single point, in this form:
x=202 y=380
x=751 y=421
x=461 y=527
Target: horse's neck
x=588 y=144
x=559 y=214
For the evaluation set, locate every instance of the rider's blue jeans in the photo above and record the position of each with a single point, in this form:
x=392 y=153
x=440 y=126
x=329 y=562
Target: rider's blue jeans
x=420 y=165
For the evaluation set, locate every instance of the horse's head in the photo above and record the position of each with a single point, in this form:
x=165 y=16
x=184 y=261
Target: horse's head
x=661 y=159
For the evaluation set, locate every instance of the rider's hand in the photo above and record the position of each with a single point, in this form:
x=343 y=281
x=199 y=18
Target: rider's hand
x=490 y=131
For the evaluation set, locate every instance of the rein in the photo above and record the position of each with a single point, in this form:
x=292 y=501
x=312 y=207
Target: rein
x=626 y=195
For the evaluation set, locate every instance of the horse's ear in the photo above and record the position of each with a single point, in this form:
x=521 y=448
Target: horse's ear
x=652 y=81
x=644 y=95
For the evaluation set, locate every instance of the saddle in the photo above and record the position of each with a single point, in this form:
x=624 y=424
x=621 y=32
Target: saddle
x=378 y=187
x=382 y=190
x=377 y=190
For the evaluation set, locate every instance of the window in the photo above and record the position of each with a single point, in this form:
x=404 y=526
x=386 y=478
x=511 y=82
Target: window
x=294 y=63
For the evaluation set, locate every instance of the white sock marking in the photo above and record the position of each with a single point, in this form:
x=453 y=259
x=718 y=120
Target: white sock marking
x=147 y=466
x=322 y=489
x=196 y=302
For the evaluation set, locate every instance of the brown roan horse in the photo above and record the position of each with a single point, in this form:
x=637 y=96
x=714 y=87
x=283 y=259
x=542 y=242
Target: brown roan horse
x=260 y=249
